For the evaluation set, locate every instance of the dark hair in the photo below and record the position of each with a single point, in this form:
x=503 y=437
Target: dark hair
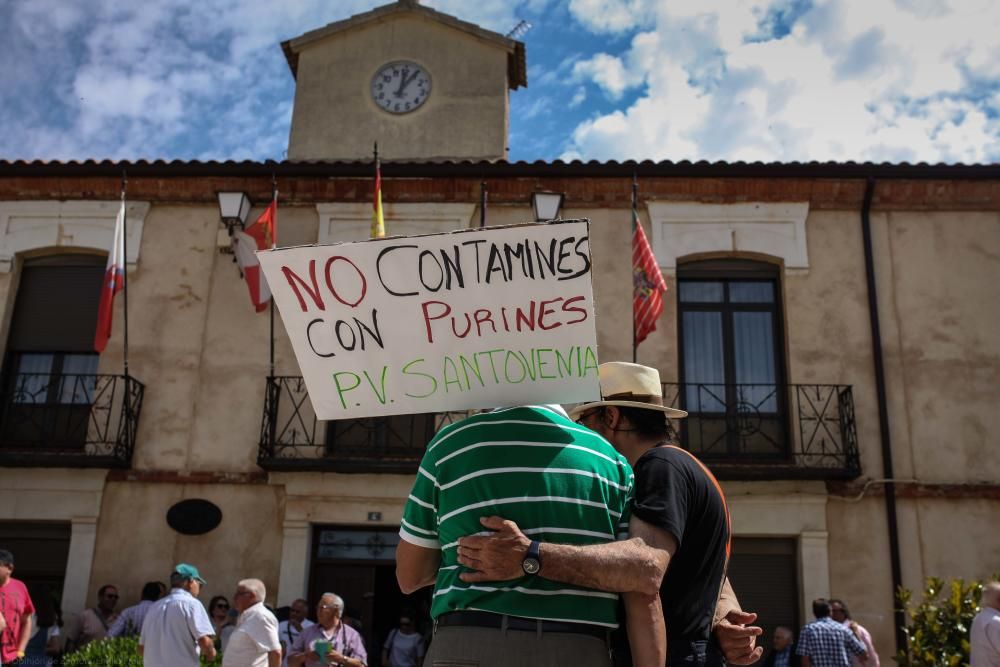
x=151 y=591
x=649 y=423
x=215 y=600
x=103 y=589
x=6 y=558
x=821 y=608
x=47 y=612
x=843 y=606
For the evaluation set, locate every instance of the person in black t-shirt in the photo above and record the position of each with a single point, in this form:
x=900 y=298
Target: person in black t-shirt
x=679 y=510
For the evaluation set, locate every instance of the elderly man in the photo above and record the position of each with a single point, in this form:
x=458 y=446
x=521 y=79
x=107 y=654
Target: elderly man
x=679 y=511
x=330 y=641
x=254 y=642
x=985 y=634
x=782 y=649
x=177 y=628
x=15 y=612
x=289 y=630
x=840 y=613
x=558 y=480
x=96 y=621
x=129 y=622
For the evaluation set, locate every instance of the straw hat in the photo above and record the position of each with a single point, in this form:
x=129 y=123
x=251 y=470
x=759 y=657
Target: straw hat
x=629 y=386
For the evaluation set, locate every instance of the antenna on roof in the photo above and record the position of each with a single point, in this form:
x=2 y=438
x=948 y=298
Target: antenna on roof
x=518 y=31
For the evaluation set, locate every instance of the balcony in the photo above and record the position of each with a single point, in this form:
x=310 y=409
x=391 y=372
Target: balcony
x=69 y=420
x=758 y=431
x=292 y=438
x=743 y=432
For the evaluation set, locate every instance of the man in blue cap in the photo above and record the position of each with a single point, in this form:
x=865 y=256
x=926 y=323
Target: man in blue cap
x=177 y=627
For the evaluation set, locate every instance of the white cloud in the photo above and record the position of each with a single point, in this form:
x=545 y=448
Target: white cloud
x=611 y=16
x=852 y=80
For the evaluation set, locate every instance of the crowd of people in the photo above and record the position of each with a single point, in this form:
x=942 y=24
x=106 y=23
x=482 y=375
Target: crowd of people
x=833 y=639
x=174 y=628
x=598 y=502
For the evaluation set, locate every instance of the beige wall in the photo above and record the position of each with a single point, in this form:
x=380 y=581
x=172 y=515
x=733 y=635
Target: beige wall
x=940 y=313
x=465 y=116
x=135 y=544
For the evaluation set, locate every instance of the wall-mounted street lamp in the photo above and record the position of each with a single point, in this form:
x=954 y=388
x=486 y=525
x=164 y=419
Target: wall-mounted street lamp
x=546 y=205
x=234 y=207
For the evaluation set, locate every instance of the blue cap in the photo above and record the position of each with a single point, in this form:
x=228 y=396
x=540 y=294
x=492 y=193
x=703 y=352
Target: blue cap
x=189 y=572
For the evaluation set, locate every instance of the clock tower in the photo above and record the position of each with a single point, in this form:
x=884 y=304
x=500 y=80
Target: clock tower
x=423 y=84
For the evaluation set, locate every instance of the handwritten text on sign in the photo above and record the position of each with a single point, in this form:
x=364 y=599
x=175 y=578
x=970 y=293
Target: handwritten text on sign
x=472 y=319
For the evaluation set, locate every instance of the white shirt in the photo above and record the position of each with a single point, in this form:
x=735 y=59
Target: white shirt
x=287 y=634
x=256 y=634
x=985 y=638
x=171 y=630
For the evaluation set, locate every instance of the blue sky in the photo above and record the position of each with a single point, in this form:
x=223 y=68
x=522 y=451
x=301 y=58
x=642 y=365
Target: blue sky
x=782 y=80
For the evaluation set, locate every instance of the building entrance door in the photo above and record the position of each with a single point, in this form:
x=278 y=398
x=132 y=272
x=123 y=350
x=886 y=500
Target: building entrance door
x=359 y=565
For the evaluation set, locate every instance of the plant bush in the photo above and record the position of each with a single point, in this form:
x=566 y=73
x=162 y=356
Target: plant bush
x=937 y=631
x=120 y=652
x=117 y=652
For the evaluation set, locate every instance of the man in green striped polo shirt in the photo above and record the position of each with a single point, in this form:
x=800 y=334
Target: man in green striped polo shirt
x=561 y=483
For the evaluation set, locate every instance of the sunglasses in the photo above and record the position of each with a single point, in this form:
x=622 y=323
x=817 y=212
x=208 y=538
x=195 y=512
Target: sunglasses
x=583 y=416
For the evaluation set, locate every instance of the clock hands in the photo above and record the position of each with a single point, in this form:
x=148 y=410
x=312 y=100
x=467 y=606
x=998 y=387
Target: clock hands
x=406 y=81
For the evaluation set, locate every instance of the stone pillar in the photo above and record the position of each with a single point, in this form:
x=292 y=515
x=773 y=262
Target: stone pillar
x=814 y=574
x=83 y=537
x=294 y=575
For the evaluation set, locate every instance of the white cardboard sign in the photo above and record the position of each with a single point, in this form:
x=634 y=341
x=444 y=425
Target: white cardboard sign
x=470 y=319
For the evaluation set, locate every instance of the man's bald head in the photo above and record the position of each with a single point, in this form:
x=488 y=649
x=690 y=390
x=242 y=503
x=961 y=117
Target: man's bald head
x=991 y=595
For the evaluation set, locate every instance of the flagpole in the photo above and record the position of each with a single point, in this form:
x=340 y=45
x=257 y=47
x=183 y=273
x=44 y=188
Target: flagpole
x=274 y=234
x=125 y=274
x=635 y=221
x=482 y=204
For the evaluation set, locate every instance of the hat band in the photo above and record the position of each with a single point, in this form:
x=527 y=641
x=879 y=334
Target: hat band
x=652 y=399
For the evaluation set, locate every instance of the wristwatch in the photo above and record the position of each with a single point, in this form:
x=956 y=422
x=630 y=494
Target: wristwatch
x=532 y=562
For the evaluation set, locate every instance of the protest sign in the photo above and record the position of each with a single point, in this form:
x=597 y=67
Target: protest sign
x=471 y=319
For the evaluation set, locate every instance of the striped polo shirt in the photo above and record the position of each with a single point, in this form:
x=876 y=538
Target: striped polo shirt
x=559 y=481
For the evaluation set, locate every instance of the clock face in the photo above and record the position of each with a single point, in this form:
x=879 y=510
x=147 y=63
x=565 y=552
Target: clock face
x=401 y=86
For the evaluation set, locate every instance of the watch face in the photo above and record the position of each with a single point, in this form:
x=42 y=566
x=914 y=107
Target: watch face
x=401 y=86
x=530 y=565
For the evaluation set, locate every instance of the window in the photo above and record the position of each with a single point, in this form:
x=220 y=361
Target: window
x=50 y=366
x=731 y=366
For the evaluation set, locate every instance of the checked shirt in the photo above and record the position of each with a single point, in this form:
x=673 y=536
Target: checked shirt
x=828 y=644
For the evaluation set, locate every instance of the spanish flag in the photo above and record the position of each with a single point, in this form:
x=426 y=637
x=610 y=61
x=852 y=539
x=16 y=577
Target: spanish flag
x=378 y=222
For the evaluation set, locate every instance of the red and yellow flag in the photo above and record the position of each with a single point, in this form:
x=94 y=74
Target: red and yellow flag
x=647 y=283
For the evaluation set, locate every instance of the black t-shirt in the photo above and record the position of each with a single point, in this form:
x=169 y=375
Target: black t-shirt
x=676 y=492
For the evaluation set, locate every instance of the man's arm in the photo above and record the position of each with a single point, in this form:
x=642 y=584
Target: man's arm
x=25 y=633
x=274 y=658
x=647 y=631
x=416 y=567
x=733 y=631
x=618 y=567
x=207 y=647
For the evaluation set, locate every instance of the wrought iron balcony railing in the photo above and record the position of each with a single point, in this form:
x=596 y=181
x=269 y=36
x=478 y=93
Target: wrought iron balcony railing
x=769 y=431
x=741 y=431
x=69 y=420
x=292 y=438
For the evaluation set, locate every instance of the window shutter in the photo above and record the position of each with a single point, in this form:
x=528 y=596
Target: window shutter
x=56 y=305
